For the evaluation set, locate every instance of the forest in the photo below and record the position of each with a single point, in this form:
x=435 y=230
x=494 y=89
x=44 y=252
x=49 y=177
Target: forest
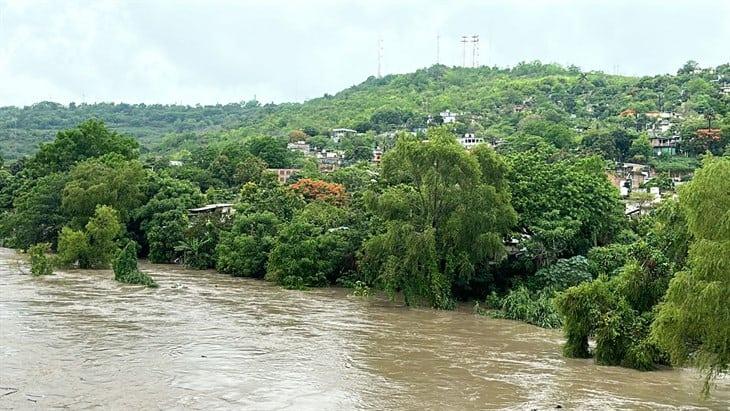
x=526 y=226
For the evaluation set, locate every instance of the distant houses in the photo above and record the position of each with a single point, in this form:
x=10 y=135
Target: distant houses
x=329 y=160
x=339 y=133
x=628 y=176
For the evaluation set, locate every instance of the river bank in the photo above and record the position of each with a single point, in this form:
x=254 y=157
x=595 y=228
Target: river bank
x=204 y=340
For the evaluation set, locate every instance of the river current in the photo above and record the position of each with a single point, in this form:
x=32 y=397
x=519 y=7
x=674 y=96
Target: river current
x=203 y=340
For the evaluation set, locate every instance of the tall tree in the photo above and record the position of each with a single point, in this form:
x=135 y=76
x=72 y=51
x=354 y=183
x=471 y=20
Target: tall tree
x=693 y=322
x=109 y=180
x=444 y=218
x=90 y=139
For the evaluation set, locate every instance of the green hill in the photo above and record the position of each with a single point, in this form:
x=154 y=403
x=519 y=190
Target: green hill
x=494 y=101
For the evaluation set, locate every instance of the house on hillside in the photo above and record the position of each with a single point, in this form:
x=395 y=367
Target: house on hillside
x=283 y=174
x=330 y=160
x=469 y=141
x=664 y=146
x=633 y=174
x=222 y=208
x=301 y=146
x=448 y=116
x=377 y=155
x=340 y=133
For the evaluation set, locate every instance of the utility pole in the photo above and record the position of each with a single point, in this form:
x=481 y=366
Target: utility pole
x=380 y=56
x=464 y=40
x=475 y=50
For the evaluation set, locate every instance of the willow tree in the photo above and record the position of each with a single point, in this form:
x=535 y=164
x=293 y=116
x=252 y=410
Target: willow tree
x=693 y=322
x=445 y=211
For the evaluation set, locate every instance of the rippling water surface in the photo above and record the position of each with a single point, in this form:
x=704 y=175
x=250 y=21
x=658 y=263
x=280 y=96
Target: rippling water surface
x=204 y=340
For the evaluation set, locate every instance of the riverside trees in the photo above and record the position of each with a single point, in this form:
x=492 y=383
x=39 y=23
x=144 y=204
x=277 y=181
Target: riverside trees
x=693 y=321
x=429 y=226
x=444 y=218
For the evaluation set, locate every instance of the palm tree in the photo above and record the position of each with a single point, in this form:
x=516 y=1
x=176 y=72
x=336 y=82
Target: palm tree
x=193 y=252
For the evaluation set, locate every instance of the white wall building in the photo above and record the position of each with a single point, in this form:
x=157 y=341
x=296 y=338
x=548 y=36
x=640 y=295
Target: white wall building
x=339 y=133
x=470 y=141
x=448 y=117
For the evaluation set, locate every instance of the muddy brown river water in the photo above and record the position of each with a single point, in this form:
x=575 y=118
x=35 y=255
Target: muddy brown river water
x=204 y=340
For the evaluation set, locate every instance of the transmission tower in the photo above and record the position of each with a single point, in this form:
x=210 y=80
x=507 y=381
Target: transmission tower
x=380 y=56
x=438 y=47
x=475 y=50
x=464 y=40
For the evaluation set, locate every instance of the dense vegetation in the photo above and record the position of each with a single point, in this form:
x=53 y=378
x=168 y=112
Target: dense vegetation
x=529 y=226
x=498 y=103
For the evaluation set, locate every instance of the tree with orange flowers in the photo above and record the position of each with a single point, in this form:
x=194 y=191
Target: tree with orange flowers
x=318 y=190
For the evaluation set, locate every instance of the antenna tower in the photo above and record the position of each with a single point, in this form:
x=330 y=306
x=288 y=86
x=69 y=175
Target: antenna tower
x=380 y=56
x=475 y=50
x=464 y=40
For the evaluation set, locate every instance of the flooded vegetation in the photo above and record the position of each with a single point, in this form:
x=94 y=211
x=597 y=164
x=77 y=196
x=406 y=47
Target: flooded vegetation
x=204 y=340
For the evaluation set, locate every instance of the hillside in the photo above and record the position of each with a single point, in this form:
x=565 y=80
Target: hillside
x=493 y=100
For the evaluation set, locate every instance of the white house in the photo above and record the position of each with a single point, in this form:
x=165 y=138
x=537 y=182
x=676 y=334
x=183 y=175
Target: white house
x=339 y=133
x=301 y=146
x=330 y=160
x=470 y=141
x=448 y=117
x=223 y=208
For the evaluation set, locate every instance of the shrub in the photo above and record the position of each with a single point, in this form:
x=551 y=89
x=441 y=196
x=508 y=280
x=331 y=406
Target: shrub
x=536 y=309
x=244 y=250
x=580 y=306
x=125 y=267
x=40 y=264
x=73 y=248
x=618 y=311
x=95 y=247
x=563 y=274
x=315 y=249
x=607 y=260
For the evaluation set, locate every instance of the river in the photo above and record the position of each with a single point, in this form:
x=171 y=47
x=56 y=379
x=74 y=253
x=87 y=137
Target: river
x=203 y=340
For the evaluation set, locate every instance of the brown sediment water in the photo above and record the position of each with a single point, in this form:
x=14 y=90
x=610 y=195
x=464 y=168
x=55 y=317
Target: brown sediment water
x=203 y=340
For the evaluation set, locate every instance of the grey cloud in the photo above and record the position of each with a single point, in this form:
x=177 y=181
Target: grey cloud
x=221 y=51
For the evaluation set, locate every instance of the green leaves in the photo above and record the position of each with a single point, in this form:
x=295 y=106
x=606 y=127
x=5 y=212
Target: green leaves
x=244 y=250
x=693 y=322
x=568 y=204
x=40 y=263
x=109 y=180
x=125 y=267
x=89 y=139
x=96 y=246
x=444 y=218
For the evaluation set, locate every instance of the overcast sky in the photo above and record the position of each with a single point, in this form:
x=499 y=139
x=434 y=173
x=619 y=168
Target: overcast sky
x=228 y=51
